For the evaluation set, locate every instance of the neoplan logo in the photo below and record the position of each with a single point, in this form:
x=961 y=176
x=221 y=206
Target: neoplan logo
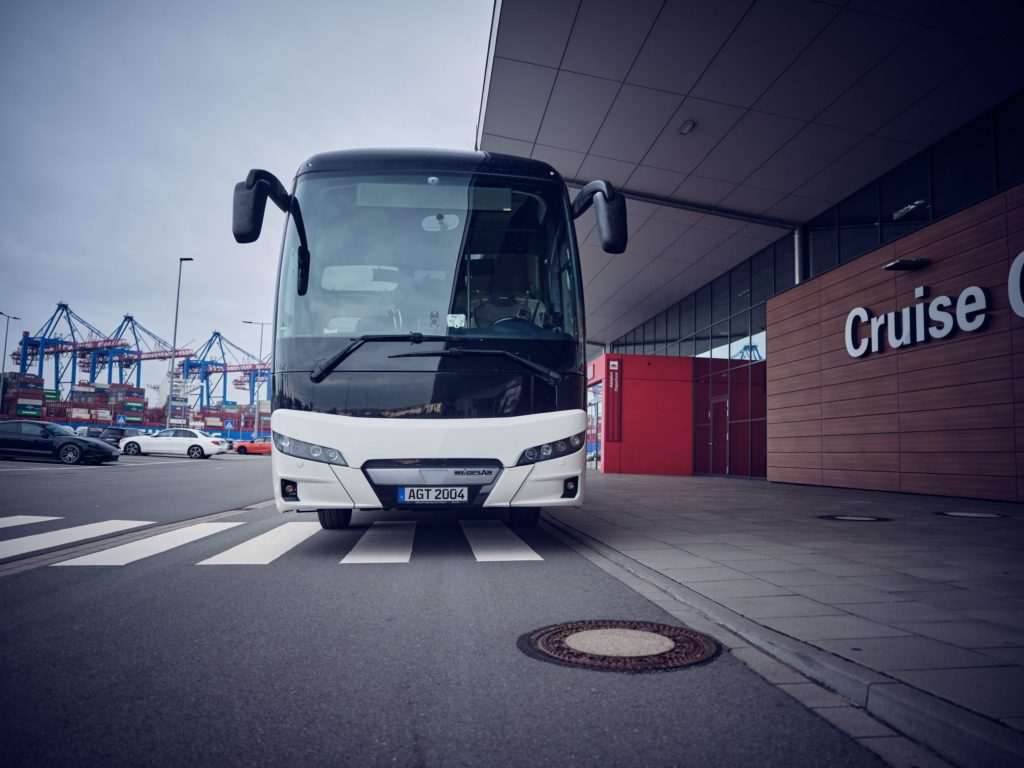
x=936 y=318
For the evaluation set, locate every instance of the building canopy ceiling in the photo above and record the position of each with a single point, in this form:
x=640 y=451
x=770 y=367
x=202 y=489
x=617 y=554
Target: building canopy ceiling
x=795 y=104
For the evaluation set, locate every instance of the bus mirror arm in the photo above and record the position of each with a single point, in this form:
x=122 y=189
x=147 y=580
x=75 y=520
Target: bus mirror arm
x=610 y=212
x=250 y=202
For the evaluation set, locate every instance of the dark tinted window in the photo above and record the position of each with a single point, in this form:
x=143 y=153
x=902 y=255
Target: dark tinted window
x=720 y=298
x=761 y=276
x=184 y=433
x=963 y=167
x=9 y=428
x=906 y=203
x=1009 y=147
x=739 y=285
x=704 y=307
x=785 y=277
x=686 y=326
x=858 y=223
x=672 y=323
x=823 y=242
x=32 y=430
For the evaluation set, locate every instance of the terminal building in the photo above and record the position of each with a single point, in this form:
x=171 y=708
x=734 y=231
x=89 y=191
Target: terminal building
x=826 y=212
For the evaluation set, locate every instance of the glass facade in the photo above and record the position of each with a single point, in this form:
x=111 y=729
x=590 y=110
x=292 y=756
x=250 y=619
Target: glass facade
x=722 y=324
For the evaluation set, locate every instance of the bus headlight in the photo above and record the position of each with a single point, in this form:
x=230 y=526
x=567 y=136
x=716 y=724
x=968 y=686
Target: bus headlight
x=311 y=451
x=552 y=450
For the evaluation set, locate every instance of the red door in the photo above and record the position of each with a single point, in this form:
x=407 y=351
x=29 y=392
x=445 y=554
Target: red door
x=720 y=436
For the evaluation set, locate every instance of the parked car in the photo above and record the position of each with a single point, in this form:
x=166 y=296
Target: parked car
x=256 y=445
x=43 y=440
x=180 y=442
x=114 y=435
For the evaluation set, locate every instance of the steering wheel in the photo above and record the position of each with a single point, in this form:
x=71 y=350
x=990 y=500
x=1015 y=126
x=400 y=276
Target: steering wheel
x=516 y=319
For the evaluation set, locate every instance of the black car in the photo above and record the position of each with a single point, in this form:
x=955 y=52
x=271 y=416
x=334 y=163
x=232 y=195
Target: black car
x=43 y=440
x=112 y=435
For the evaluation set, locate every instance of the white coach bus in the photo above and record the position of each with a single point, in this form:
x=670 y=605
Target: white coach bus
x=429 y=346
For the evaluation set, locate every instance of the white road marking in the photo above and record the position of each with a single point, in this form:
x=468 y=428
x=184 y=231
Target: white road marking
x=266 y=547
x=154 y=545
x=39 y=541
x=492 y=542
x=7 y=522
x=384 y=542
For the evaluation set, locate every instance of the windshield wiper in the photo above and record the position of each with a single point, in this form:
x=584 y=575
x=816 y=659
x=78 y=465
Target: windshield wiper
x=324 y=367
x=551 y=376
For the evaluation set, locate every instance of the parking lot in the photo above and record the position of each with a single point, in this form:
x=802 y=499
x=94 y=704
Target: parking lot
x=162 y=489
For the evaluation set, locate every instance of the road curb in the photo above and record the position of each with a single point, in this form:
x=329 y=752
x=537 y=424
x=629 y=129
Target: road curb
x=957 y=734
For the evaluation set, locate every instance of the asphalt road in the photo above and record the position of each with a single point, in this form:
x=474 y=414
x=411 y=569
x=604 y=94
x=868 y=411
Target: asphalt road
x=308 y=660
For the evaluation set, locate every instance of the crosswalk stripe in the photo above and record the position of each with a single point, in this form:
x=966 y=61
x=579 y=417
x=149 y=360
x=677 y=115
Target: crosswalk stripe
x=266 y=547
x=492 y=542
x=39 y=541
x=7 y=522
x=384 y=542
x=154 y=545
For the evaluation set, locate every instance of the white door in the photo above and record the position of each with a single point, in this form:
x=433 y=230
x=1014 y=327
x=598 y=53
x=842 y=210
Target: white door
x=183 y=439
x=161 y=442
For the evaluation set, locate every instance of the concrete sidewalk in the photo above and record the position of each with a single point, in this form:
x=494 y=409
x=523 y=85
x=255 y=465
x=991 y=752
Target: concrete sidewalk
x=918 y=619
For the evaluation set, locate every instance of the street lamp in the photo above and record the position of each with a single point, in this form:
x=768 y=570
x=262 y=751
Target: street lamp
x=174 y=342
x=3 y=365
x=256 y=418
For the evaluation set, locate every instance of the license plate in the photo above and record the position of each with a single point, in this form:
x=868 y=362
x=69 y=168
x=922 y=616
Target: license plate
x=433 y=494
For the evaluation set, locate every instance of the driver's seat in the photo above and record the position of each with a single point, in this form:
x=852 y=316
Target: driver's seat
x=509 y=293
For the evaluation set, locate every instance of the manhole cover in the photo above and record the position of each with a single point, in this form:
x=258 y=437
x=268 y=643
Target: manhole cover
x=969 y=514
x=856 y=518
x=619 y=646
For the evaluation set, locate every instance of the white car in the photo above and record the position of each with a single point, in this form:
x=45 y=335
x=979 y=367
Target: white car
x=180 y=442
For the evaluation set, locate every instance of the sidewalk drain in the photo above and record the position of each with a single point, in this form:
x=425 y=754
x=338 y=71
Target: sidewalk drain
x=856 y=518
x=619 y=646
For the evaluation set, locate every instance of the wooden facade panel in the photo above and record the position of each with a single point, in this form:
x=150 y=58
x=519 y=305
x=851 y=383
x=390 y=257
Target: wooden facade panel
x=778 y=386
x=777 y=314
x=958 y=373
x=852 y=390
x=807 y=444
x=877 y=300
x=956 y=463
x=794 y=475
x=861 y=425
x=884 y=443
x=977 y=487
x=795 y=368
x=872 y=481
x=793 y=429
x=877 y=259
x=810 y=317
x=985 y=393
x=795 y=413
x=953 y=275
x=1014 y=197
x=965 y=417
x=957 y=233
x=780 y=357
x=960 y=348
x=799 y=397
x=962 y=440
x=799 y=336
x=865 y=406
x=1015 y=220
x=863 y=462
x=808 y=460
x=794 y=294
x=853 y=288
x=872 y=367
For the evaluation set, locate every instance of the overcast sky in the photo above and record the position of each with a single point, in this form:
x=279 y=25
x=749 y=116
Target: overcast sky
x=126 y=124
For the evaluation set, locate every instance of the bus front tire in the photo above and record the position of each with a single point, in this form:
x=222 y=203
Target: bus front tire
x=523 y=517
x=334 y=518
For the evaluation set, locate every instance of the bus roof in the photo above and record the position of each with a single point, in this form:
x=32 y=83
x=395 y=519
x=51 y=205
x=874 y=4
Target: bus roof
x=415 y=160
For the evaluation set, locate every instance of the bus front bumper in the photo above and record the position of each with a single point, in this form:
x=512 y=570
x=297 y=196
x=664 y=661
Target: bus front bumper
x=557 y=482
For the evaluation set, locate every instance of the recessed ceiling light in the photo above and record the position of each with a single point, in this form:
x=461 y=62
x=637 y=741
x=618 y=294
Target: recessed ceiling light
x=686 y=127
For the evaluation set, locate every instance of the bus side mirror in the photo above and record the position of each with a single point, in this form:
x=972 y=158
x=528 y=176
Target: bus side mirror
x=250 y=203
x=610 y=211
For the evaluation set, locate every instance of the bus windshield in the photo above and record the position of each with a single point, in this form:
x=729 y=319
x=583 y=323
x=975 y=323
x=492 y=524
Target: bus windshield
x=473 y=256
